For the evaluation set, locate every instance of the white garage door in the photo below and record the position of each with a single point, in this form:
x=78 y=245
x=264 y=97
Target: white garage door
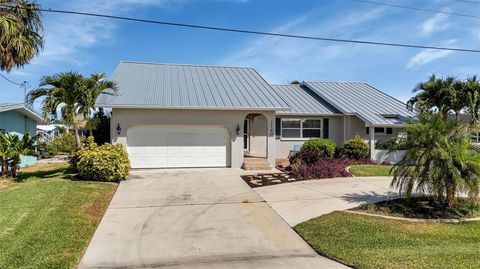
x=160 y=146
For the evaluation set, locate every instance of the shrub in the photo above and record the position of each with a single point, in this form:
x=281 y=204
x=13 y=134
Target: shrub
x=103 y=163
x=329 y=168
x=65 y=143
x=326 y=147
x=304 y=157
x=326 y=168
x=355 y=148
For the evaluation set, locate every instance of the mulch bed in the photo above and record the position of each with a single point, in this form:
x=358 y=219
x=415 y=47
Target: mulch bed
x=260 y=180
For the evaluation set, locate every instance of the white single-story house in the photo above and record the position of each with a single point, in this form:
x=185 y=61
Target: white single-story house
x=174 y=115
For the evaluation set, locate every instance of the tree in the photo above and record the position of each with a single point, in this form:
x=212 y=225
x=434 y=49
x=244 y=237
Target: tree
x=20 y=38
x=434 y=94
x=439 y=160
x=94 y=86
x=472 y=98
x=62 y=91
x=11 y=148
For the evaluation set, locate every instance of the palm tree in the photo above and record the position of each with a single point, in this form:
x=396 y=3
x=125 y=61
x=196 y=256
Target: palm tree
x=11 y=148
x=94 y=86
x=62 y=91
x=434 y=94
x=439 y=160
x=20 y=38
x=472 y=98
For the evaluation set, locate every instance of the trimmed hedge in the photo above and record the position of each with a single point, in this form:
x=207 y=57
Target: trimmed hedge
x=102 y=163
x=326 y=147
x=355 y=149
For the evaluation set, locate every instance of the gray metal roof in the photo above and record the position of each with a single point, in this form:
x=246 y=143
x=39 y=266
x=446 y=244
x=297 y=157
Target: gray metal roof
x=303 y=101
x=151 y=85
x=376 y=108
x=21 y=108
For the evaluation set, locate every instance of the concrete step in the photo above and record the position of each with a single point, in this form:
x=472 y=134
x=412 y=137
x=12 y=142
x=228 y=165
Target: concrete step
x=255 y=160
x=256 y=166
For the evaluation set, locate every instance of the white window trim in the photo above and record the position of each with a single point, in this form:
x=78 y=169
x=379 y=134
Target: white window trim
x=301 y=138
x=476 y=137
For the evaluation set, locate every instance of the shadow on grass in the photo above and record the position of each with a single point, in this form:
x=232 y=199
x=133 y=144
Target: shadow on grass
x=63 y=172
x=369 y=197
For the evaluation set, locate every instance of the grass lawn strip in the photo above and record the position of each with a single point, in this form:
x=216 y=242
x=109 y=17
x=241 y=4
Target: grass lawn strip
x=373 y=242
x=419 y=208
x=370 y=170
x=46 y=219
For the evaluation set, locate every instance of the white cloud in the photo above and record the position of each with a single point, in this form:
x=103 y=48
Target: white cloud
x=439 y=22
x=428 y=55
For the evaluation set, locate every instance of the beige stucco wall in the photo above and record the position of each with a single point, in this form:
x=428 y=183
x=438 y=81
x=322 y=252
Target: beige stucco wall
x=341 y=128
x=127 y=118
x=283 y=146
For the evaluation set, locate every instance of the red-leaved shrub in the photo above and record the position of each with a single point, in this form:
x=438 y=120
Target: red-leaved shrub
x=329 y=168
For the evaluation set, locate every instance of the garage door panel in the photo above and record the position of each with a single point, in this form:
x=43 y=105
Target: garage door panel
x=178 y=146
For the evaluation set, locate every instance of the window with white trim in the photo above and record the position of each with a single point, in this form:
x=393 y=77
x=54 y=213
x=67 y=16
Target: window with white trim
x=301 y=128
x=476 y=137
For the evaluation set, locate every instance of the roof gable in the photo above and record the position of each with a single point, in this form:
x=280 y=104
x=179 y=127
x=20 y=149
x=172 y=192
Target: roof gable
x=22 y=109
x=371 y=105
x=150 y=85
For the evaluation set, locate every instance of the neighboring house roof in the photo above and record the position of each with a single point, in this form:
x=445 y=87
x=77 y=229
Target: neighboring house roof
x=303 y=101
x=151 y=85
x=374 y=107
x=21 y=108
x=50 y=127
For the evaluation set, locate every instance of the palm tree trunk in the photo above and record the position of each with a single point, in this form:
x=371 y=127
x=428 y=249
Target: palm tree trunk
x=77 y=137
x=90 y=127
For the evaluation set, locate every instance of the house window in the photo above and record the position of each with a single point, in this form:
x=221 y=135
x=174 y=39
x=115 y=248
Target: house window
x=476 y=137
x=301 y=128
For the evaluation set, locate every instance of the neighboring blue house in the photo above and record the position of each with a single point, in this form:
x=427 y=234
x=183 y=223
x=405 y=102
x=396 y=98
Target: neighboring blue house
x=18 y=119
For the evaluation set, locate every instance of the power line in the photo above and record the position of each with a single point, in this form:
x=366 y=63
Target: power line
x=244 y=31
x=419 y=9
x=13 y=82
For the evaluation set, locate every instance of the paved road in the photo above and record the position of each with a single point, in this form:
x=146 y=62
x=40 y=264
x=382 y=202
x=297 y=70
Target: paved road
x=300 y=201
x=197 y=218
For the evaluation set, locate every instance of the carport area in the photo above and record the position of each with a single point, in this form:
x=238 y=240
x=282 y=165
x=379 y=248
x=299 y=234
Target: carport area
x=195 y=218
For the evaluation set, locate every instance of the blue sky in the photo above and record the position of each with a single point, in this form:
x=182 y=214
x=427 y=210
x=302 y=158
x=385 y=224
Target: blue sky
x=91 y=45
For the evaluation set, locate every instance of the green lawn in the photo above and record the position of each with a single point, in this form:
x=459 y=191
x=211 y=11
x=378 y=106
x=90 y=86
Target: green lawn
x=370 y=170
x=420 y=207
x=373 y=242
x=46 y=219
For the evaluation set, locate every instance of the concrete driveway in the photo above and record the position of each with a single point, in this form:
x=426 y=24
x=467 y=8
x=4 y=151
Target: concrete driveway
x=300 y=201
x=198 y=218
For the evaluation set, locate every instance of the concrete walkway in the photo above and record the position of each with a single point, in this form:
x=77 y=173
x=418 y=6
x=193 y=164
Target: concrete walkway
x=197 y=218
x=300 y=201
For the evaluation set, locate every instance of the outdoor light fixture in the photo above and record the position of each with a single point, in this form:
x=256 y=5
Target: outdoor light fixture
x=238 y=129
x=119 y=129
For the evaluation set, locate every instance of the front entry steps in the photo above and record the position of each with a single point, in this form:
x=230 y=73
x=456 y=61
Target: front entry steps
x=255 y=163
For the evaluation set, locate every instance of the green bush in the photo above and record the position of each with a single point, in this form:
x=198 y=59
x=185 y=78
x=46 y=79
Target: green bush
x=65 y=143
x=355 y=148
x=102 y=163
x=325 y=147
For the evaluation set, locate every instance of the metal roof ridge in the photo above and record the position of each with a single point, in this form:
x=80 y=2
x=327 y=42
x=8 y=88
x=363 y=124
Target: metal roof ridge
x=191 y=65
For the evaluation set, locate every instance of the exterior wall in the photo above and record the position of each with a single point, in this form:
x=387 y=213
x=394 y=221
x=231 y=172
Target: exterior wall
x=258 y=136
x=17 y=123
x=230 y=119
x=283 y=147
x=381 y=156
